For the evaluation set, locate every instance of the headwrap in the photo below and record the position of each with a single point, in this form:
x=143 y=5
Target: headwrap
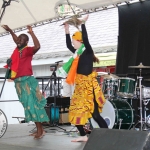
x=77 y=36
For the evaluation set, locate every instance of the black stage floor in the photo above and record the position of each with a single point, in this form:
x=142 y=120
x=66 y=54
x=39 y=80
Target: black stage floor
x=17 y=138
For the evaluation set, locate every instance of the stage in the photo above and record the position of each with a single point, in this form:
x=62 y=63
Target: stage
x=17 y=138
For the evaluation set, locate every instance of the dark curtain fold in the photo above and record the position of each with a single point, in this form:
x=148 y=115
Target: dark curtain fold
x=134 y=39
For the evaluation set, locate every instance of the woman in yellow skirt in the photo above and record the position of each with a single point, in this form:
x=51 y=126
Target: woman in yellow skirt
x=87 y=100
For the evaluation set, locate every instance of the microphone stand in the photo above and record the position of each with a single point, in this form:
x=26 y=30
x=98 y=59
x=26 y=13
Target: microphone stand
x=53 y=74
x=55 y=78
x=54 y=124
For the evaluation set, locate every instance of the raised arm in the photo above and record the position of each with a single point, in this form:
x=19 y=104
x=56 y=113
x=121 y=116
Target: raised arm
x=14 y=36
x=68 y=40
x=85 y=35
x=35 y=40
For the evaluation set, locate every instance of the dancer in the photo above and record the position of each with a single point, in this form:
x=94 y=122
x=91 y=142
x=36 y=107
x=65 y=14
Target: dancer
x=87 y=100
x=26 y=85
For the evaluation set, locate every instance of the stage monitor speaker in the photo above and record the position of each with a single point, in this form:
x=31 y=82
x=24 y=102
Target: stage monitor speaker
x=113 y=139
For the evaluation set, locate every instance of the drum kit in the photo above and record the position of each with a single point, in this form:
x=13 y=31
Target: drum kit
x=118 y=112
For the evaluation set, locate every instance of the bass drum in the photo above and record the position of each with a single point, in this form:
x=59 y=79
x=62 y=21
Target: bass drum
x=118 y=114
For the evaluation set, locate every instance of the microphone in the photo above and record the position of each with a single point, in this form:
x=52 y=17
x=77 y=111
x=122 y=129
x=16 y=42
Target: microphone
x=9 y=62
x=59 y=61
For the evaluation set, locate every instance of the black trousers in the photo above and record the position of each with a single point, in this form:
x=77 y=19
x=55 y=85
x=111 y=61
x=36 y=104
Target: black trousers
x=96 y=116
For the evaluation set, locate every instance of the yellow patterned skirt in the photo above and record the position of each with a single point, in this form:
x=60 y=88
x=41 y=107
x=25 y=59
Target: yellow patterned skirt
x=82 y=104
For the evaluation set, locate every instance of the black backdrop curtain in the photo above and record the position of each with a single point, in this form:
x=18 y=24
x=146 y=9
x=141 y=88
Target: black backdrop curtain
x=133 y=39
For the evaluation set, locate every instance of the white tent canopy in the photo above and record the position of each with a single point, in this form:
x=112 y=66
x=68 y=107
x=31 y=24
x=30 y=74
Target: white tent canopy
x=24 y=12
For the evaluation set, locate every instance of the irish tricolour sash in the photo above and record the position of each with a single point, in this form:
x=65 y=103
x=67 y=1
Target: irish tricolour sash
x=69 y=68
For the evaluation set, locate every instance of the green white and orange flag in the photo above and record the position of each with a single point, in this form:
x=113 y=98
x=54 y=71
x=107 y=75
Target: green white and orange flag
x=66 y=68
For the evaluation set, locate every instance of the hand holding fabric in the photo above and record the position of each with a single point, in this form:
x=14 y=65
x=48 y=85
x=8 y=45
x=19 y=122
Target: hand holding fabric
x=66 y=26
x=85 y=18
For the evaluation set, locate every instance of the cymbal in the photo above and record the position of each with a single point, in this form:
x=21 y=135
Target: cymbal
x=110 y=76
x=140 y=66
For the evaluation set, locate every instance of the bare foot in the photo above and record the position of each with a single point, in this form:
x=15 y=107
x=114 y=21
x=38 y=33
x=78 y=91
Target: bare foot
x=35 y=133
x=38 y=137
x=81 y=139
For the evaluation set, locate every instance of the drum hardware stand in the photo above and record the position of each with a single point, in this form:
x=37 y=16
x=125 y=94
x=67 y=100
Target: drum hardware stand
x=142 y=123
x=140 y=91
x=118 y=85
x=55 y=78
x=120 y=122
x=135 y=94
x=140 y=98
x=145 y=102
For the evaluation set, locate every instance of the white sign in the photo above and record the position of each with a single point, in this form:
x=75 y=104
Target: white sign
x=3 y=123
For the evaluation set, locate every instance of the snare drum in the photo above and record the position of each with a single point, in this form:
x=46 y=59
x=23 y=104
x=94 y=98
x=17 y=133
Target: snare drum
x=118 y=114
x=110 y=87
x=126 y=87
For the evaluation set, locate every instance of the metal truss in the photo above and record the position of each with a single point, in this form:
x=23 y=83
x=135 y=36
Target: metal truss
x=59 y=18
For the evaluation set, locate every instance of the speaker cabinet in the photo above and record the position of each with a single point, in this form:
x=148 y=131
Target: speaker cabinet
x=113 y=139
x=64 y=119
